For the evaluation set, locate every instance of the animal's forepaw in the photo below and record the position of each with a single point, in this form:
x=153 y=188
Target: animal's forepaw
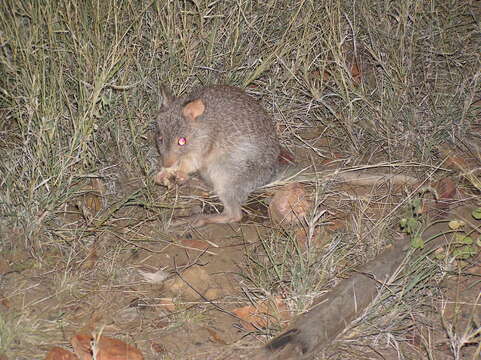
x=170 y=176
x=181 y=177
x=164 y=177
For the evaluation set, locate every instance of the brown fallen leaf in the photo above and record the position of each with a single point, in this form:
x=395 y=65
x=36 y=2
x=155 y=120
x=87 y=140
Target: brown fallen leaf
x=5 y=302
x=326 y=75
x=457 y=163
x=90 y=203
x=263 y=313
x=106 y=348
x=337 y=223
x=213 y=293
x=81 y=346
x=57 y=353
x=114 y=349
x=356 y=73
x=289 y=205
x=316 y=241
x=93 y=199
x=446 y=190
x=190 y=284
x=286 y=157
x=214 y=336
x=250 y=316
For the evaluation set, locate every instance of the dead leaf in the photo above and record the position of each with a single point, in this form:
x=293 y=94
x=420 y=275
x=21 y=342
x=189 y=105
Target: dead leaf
x=356 y=72
x=337 y=223
x=114 y=349
x=286 y=157
x=190 y=284
x=326 y=75
x=212 y=294
x=249 y=315
x=57 y=353
x=91 y=201
x=289 y=205
x=94 y=200
x=214 y=336
x=105 y=347
x=316 y=241
x=457 y=163
x=81 y=346
x=446 y=190
x=5 y=302
x=263 y=313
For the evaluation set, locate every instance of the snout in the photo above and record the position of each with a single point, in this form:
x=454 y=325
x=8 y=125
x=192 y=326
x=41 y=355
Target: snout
x=169 y=161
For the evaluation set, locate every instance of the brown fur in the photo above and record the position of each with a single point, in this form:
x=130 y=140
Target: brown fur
x=229 y=140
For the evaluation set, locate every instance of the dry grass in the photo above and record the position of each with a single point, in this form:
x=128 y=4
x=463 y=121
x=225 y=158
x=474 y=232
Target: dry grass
x=364 y=82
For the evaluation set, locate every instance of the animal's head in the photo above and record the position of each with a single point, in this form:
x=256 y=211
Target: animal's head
x=177 y=128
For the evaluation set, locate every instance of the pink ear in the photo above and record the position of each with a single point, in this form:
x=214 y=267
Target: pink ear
x=193 y=109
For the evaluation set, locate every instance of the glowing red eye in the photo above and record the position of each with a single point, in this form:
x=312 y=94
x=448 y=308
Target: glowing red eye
x=182 y=141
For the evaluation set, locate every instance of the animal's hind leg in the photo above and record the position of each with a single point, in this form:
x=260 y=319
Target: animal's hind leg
x=232 y=213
